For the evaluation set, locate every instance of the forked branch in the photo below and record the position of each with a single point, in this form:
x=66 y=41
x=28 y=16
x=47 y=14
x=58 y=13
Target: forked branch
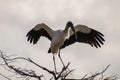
x=62 y=75
x=31 y=73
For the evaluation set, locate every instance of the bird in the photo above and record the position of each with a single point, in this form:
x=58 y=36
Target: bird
x=63 y=38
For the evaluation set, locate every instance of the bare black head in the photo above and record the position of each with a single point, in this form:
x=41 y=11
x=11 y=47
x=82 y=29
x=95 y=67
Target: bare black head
x=70 y=24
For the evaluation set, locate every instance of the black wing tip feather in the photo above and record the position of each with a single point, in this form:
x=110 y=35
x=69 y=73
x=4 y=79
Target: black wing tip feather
x=98 y=39
x=94 y=38
x=33 y=36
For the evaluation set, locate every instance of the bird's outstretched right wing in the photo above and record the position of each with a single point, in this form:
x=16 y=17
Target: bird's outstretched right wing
x=38 y=31
x=85 y=35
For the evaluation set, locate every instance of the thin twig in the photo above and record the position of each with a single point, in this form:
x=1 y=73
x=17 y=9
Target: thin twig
x=94 y=75
x=5 y=77
x=20 y=72
x=49 y=71
x=63 y=69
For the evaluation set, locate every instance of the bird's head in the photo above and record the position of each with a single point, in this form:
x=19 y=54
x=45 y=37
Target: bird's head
x=70 y=24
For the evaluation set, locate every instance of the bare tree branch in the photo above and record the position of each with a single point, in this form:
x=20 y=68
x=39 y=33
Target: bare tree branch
x=95 y=75
x=5 y=77
x=31 y=73
x=26 y=73
x=62 y=75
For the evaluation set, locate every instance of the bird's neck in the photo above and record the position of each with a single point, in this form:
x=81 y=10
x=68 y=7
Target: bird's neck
x=67 y=32
x=66 y=28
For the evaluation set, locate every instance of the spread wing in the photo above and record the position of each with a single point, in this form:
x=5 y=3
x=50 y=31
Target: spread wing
x=39 y=30
x=85 y=35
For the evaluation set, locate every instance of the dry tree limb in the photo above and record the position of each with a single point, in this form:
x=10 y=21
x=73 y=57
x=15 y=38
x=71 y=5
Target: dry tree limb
x=26 y=73
x=31 y=73
x=97 y=74
x=62 y=75
x=5 y=77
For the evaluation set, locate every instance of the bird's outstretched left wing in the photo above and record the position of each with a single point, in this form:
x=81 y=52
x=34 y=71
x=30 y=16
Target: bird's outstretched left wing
x=85 y=35
x=38 y=31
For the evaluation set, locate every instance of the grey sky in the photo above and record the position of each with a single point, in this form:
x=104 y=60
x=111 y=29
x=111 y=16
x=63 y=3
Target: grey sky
x=17 y=17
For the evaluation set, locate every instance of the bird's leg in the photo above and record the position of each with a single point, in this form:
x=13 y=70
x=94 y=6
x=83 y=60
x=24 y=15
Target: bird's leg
x=61 y=58
x=62 y=61
x=54 y=63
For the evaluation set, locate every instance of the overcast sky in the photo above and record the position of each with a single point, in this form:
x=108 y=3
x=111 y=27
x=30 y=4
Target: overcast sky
x=17 y=17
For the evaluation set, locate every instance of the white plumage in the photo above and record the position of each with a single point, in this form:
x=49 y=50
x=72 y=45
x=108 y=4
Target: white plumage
x=57 y=41
x=62 y=38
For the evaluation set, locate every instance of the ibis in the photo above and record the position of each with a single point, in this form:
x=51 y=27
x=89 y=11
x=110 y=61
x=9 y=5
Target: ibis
x=62 y=38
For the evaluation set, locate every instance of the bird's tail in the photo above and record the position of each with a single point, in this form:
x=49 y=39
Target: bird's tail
x=49 y=51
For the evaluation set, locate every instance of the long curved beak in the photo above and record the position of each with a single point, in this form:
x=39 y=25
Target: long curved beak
x=73 y=29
